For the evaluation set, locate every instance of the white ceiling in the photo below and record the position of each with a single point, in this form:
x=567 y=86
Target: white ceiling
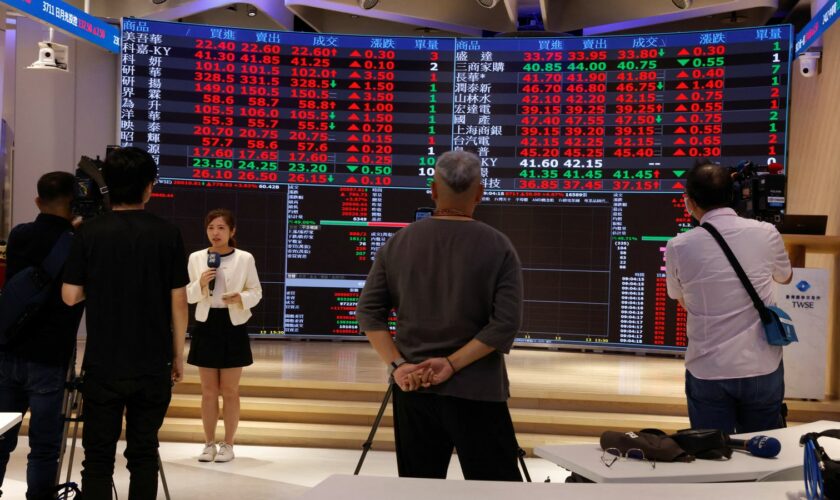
x=447 y=17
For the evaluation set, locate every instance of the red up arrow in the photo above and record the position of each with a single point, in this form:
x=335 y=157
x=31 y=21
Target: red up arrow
x=679 y=152
x=683 y=52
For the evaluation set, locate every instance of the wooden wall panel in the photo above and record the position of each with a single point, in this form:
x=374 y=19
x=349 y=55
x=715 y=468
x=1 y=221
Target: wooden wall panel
x=814 y=163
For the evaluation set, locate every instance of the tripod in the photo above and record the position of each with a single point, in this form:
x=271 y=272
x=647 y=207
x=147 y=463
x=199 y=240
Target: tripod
x=366 y=446
x=72 y=412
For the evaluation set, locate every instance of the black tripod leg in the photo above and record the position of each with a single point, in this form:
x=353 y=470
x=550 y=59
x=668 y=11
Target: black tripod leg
x=367 y=444
x=163 y=478
x=521 y=454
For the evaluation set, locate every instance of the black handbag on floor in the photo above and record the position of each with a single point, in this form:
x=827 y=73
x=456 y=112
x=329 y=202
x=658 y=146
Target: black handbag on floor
x=706 y=444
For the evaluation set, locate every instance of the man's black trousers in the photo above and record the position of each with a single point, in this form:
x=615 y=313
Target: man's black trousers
x=428 y=426
x=144 y=401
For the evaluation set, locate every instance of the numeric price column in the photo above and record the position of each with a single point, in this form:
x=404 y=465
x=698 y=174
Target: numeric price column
x=698 y=101
x=312 y=88
x=773 y=133
x=258 y=154
x=638 y=103
x=371 y=106
x=540 y=107
x=214 y=78
x=585 y=110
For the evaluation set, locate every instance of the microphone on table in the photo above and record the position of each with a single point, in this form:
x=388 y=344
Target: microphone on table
x=759 y=446
x=214 y=260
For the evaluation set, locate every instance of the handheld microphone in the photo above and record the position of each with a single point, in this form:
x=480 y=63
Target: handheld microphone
x=214 y=260
x=759 y=446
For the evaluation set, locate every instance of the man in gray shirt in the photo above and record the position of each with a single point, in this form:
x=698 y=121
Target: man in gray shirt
x=456 y=285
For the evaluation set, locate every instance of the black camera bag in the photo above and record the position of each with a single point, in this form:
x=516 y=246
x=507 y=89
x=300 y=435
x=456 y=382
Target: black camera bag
x=25 y=292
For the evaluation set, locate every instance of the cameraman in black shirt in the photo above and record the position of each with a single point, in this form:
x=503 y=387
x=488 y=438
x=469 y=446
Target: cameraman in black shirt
x=131 y=269
x=33 y=367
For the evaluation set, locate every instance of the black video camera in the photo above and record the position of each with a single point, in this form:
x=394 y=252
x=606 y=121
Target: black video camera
x=91 y=194
x=758 y=193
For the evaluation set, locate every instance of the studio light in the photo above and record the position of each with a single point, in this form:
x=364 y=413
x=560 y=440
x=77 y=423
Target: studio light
x=252 y=11
x=681 y=4
x=488 y=4
x=368 y=4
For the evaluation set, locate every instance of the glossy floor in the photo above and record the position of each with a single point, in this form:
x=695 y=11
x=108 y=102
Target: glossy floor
x=258 y=472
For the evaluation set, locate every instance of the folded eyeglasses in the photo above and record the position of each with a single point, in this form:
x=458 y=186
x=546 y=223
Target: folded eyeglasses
x=612 y=455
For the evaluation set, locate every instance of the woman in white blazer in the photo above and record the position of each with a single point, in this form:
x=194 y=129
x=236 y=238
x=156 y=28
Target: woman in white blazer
x=219 y=346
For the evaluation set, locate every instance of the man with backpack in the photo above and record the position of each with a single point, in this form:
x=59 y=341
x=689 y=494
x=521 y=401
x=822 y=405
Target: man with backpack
x=35 y=356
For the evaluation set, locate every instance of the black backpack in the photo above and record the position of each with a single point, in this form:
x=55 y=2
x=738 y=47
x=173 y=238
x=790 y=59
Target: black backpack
x=26 y=292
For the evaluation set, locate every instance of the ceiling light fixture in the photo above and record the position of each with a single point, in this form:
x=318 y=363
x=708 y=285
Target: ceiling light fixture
x=368 y=4
x=488 y=4
x=252 y=11
x=681 y=4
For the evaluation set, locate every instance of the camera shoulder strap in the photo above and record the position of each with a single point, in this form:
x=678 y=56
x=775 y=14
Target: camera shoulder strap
x=745 y=280
x=54 y=261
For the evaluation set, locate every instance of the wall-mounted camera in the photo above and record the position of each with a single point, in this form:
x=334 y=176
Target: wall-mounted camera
x=51 y=55
x=809 y=64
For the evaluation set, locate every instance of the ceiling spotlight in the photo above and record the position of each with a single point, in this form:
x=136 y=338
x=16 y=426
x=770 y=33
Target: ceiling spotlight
x=681 y=4
x=488 y=4
x=368 y=4
x=158 y=2
x=252 y=11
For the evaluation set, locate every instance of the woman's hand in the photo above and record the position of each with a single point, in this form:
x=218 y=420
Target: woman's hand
x=233 y=298
x=206 y=277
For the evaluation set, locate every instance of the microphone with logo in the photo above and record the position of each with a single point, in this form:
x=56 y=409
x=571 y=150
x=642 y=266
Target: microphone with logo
x=214 y=260
x=758 y=446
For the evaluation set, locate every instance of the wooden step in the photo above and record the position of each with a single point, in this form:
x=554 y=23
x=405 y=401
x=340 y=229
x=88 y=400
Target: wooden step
x=542 y=398
x=325 y=436
x=561 y=422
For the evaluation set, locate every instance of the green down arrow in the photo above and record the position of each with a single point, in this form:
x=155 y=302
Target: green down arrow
x=683 y=62
x=678 y=173
x=352 y=168
x=332 y=125
x=658 y=118
x=660 y=85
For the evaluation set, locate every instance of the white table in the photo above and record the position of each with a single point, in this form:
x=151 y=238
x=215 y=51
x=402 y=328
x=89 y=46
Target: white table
x=585 y=459
x=390 y=488
x=9 y=420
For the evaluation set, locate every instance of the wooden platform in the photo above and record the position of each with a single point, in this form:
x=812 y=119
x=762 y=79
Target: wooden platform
x=327 y=394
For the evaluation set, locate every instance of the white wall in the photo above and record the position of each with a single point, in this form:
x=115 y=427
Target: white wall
x=57 y=116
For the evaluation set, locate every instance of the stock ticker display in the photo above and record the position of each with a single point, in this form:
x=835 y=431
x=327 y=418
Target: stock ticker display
x=324 y=146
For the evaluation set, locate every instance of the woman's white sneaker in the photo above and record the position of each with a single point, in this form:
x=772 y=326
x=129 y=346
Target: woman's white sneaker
x=225 y=452
x=208 y=454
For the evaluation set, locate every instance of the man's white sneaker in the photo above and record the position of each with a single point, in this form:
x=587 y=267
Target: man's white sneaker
x=225 y=452
x=208 y=454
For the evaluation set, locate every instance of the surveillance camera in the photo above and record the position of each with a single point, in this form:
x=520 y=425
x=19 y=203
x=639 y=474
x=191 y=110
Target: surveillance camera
x=51 y=55
x=809 y=64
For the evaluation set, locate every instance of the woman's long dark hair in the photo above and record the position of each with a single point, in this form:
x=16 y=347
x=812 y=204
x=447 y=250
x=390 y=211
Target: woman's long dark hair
x=227 y=216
